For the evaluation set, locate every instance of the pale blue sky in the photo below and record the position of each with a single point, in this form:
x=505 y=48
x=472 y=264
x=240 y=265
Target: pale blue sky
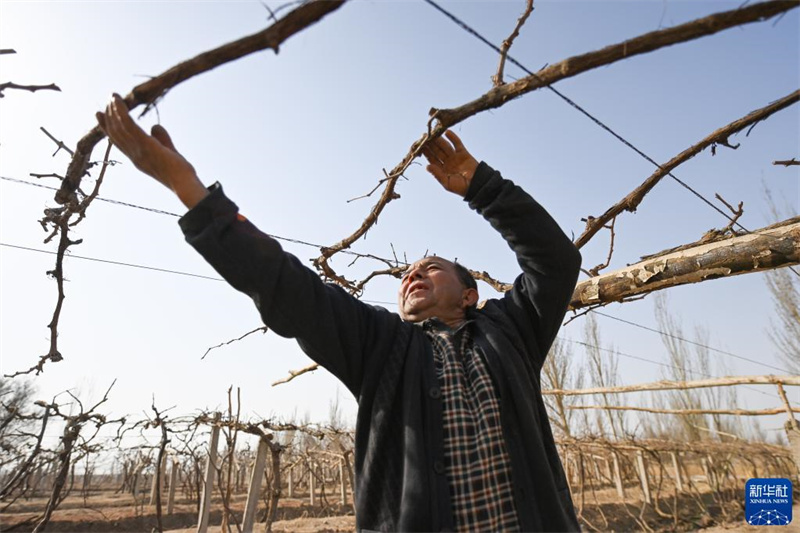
x=292 y=137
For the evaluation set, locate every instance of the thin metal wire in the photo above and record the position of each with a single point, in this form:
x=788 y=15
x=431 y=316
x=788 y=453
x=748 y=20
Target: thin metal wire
x=591 y=117
x=676 y=337
x=108 y=261
x=177 y=272
x=643 y=358
x=102 y=199
x=161 y=212
x=297 y=241
x=463 y=25
x=574 y=104
x=666 y=365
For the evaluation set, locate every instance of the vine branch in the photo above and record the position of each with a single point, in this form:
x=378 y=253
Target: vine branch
x=635 y=197
x=498 y=96
x=498 y=78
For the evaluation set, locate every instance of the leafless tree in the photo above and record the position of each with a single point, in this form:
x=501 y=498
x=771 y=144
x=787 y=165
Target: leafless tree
x=559 y=372
x=691 y=361
x=784 y=286
x=22 y=428
x=785 y=329
x=603 y=372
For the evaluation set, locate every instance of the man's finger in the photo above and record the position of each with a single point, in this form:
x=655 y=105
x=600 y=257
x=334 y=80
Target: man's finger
x=126 y=123
x=438 y=151
x=459 y=146
x=443 y=146
x=160 y=134
x=431 y=156
x=114 y=130
x=438 y=173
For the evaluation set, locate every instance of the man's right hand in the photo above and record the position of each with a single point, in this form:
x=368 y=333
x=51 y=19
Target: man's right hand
x=450 y=163
x=155 y=155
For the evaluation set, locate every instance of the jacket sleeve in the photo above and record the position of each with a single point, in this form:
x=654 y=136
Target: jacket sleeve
x=335 y=329
x=550 y=262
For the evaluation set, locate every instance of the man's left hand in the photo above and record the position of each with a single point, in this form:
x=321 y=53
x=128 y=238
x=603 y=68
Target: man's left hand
x=451 y=164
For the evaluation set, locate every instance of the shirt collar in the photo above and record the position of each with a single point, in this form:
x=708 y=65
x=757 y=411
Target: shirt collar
x=433 y=324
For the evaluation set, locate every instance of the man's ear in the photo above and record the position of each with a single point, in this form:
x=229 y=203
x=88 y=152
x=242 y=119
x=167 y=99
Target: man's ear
x=470 y=297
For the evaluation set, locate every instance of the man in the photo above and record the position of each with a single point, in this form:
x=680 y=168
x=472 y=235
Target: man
x=452 y=432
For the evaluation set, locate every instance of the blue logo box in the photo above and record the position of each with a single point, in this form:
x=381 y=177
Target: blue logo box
x=768 y=501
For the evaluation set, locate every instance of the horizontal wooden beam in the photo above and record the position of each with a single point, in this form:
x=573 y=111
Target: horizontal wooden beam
x=676 y=385
x=761 y=250
x=735 y=412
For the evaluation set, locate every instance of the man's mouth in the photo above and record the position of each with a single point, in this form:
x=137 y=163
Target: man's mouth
x=414 y=287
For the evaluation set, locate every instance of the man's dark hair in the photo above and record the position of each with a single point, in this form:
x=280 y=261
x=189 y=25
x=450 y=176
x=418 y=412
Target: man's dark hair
x=466 y=279
x=464 y=276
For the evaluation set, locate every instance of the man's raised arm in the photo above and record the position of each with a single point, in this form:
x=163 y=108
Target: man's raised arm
x=155 y=155
x=332 y=327
x=452 y=165
x=550 y=262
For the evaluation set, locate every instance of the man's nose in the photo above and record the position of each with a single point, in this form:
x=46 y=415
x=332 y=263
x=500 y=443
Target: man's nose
x=412 y=275
x=415 y=274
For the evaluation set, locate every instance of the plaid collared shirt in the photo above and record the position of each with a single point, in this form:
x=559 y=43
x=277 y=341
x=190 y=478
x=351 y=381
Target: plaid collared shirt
x=478 y=466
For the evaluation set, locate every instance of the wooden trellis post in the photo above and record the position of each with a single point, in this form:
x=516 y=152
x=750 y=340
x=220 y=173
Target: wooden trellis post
x=173 y=482
x=163 y=478
x=255 y=487
x=643 y=476
x=342 y=481
x=577 y=468
x=676 y=467
x=311 y=484
x=792 y=427
x=205 y=501
x=290 y=492
x=350 y=475
x=707 y=472
x=597 y=474
x=153 y=483
x=618 y=476
x=606 y=462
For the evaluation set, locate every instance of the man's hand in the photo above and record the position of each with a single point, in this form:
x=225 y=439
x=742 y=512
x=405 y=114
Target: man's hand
x=451 y=165
x=155 y=155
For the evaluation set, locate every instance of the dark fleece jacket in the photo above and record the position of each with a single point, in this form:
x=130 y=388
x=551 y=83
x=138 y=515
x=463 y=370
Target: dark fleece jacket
x=388 y=364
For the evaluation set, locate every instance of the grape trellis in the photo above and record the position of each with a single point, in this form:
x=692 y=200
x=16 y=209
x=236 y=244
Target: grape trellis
x=305 y=461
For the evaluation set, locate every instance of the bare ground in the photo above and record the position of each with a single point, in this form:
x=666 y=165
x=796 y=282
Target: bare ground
x=105 y=511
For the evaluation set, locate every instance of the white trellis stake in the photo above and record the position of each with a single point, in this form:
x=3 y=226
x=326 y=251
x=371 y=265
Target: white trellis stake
x=643 y=476
x=342 y=481
x=311 y=484
x=618 y=476
x=205 y=502
x=255 y=487
x=676 y=467
x=163 y=477
x=173 y=481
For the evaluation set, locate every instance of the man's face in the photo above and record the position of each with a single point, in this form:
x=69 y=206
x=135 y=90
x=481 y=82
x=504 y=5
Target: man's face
x=431 y=288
